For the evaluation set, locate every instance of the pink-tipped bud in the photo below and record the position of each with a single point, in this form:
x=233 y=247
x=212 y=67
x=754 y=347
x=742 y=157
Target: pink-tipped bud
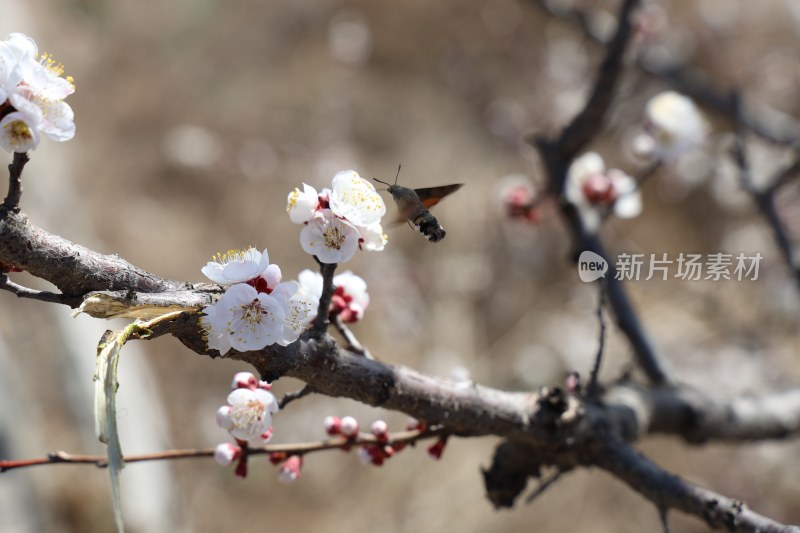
x=415 y=425
x=381 y=430
x=277 y=458
x=437 y=449
x=226 y=453
x=290 y=469
x=365 y=455
x=349 y=427
x=333 y=425
x=264 y=385
x=599 y=189
x=388 y=451
x=573 y=382
x=224 y=417
x=244 y=380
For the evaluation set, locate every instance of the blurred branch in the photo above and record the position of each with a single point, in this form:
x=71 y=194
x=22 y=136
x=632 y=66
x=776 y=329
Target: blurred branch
x=698 y=418
x=334 y=443
x=557 y=156
x=785 y=175
x=587 y=124
x=689 y=81
x=764 y=198
x=352 y=342
x=591 y=389
x=543 y=486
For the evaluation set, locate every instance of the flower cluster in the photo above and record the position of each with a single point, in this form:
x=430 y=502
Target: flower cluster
x=257 y=309
x=376 y=453
x=350 y=298
x=594 y=190
x=247 y=416
x=673 y=126
x=339 y=220
x=32 y=94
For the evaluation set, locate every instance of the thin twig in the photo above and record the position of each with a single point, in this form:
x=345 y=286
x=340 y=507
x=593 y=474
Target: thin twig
x=764 y=199
x=43 y=296
x=585 y=126
x=543 y=486
x=692 y=82
x=289 y=397
x=557 y=155
x=591 y=389
x=327 y=270
x=352 y=342
x=784 y=176
x=11 y=203
x=101 y=461
x=664 y=515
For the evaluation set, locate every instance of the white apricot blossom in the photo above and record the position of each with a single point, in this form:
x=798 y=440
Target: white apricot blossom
x=33 y=92
x=594 y=190
x=330 y=238
x=248 y=413
x=244 y=319
x=237 y=266
x=339 y=220
x=674 y=124
x=356 y=199
x=350 y=297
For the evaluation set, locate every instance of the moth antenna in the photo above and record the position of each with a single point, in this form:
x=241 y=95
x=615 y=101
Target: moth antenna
x=398 y=173
x=383 y=182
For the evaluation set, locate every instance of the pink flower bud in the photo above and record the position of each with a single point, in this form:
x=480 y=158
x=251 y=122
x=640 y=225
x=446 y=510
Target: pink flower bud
x=290 y=469
x=264 y=385
x=226 y=453
x=277 y=457
x=414 y=424
x=365 y=455
x=244 y=380
x=437 y=449
x=381 y=430
x=349 y=426
x=573 y=382
x=333 y=425
x=599 y=189
x=224 y=417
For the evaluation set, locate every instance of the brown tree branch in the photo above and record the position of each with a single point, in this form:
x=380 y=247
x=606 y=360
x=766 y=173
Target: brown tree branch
x=74 y=269
x=764 y=198
x=43 y=296
x=667 y=491
x=690 y=81
x=556 y=424
x=557 y=156
x=11 y=202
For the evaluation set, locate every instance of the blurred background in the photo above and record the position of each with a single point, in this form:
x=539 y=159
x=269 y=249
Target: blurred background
x=195 y=118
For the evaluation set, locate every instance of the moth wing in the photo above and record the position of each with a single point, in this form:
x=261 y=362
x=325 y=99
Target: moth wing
x=430 y=196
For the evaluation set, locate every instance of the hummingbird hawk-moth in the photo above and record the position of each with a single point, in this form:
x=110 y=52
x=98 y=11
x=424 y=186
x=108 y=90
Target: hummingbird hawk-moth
x=414 y=205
